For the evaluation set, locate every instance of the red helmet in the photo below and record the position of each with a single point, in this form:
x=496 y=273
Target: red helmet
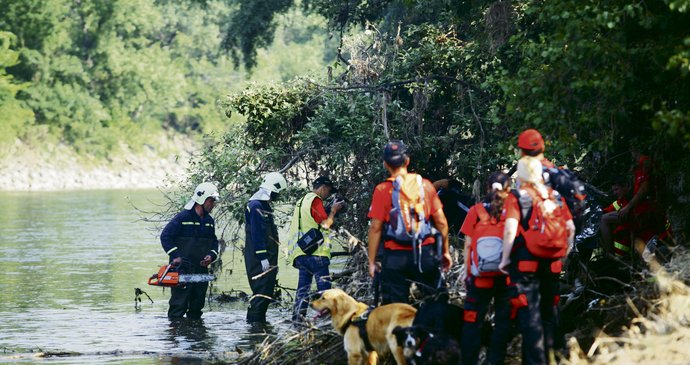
x=531 y=139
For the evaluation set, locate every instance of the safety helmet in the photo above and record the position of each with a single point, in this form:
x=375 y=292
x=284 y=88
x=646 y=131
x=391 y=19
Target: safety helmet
x=274 y=182
x=531 y=139
x=201 y=193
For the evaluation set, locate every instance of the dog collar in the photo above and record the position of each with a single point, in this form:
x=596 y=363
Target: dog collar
x=418 y=353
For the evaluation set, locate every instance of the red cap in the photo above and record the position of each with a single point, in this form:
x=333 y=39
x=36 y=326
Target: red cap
x=530 y=139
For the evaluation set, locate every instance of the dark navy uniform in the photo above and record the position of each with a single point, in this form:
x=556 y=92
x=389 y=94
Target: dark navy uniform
x=190 y=237
x=261 y=243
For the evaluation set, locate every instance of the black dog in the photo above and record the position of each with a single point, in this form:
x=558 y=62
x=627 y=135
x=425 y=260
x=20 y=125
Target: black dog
x=435 y=334
x=437 y=316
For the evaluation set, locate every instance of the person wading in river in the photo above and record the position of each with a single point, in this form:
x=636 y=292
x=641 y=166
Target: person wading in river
x=261 y=246
x=190 y=241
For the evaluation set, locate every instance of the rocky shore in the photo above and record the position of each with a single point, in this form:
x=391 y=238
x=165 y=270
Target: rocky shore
x=58 y=167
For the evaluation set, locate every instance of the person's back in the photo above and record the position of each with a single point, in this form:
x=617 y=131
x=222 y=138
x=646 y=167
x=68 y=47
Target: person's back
x=410 y=252
x=261 y=246
x=534 y=263
x=483 y=229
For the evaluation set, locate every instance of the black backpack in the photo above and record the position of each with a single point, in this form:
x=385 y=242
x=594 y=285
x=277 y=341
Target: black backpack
x=571 y=188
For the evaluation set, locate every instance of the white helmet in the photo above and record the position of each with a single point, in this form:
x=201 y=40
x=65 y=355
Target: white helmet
x=201 y=193
x=274 y=182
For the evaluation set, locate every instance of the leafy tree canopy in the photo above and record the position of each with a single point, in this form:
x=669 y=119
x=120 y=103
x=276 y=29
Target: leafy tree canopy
x=458 y=82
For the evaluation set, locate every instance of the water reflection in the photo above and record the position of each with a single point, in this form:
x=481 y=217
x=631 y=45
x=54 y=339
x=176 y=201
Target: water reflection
x=71 y=262
x=190 y=334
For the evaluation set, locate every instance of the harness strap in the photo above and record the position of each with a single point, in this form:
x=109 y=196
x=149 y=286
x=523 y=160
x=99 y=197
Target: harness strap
x=361 y=323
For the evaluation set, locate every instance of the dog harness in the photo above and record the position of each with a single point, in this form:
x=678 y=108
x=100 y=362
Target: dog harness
x=361 y=323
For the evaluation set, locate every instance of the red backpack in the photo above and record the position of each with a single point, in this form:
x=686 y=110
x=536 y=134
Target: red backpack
x=487 y=244
x=545 y=234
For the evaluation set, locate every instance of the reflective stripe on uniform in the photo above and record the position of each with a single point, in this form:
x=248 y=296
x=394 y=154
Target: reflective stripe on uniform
x=621 y=246
x=209 y=225
x=261 y=251
x=191 y=223
x=171 y=250
x=616 y=206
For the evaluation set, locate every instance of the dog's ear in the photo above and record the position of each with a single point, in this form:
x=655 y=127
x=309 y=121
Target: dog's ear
x=336 y=305
x=400 y=333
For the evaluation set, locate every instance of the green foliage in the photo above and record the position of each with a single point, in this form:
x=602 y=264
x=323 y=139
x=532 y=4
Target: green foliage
x=15 y=115
x=251 y=27
x=459 y=82
x=99 y=73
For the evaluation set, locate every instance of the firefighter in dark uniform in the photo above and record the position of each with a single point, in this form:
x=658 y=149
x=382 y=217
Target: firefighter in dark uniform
x=190 y=241
x=261 y=246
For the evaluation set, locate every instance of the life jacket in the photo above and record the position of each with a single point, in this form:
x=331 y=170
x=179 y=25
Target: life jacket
x=543 y=228
x=302 y=222
x=487 y=244
x=407 y=221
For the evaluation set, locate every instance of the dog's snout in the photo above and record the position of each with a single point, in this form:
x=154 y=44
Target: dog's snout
x=410 y=341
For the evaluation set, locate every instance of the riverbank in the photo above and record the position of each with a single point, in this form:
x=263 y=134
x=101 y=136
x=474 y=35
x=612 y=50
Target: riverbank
x=59 y=167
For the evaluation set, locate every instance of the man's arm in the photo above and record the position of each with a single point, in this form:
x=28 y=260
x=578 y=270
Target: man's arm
x=258 y=235
x=212 y=255
x=441 y=224
x=466 y=252
x=509 y=233
x=328 y=222
x=171 y=230
x=641 y=194
x=375 y=232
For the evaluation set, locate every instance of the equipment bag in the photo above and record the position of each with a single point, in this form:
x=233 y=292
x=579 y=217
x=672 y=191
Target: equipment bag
x=310 y=241
x=543 y=224
x=569 y=186
x=487 y=244
x=407 y=220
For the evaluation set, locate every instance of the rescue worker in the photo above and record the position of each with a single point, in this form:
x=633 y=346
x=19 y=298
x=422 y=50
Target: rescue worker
x=401 y=266
x=531 y=143
x=261 y=246
x=643 y=213
x=482 y=287
x=534 y=279
x=310 y=214
x=190 y=241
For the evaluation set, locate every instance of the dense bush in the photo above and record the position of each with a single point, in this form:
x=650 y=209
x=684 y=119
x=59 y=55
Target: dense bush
x=458 y=83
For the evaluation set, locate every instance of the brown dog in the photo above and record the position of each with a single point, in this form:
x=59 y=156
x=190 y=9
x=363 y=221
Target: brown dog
x=380 y=323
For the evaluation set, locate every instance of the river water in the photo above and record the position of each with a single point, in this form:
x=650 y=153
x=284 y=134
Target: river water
x=69 y=266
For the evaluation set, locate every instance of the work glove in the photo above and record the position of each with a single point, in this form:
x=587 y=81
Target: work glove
x=264 y=265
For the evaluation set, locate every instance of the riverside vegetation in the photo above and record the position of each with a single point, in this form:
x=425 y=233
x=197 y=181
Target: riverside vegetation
x=456 y=80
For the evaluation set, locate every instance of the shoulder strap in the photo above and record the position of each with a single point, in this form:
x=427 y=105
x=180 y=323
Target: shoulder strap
x=299 y=215
x=482 y=214
x=525 y=202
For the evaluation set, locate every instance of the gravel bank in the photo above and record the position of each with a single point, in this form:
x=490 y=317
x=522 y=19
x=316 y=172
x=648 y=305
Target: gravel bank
x=53 y=168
